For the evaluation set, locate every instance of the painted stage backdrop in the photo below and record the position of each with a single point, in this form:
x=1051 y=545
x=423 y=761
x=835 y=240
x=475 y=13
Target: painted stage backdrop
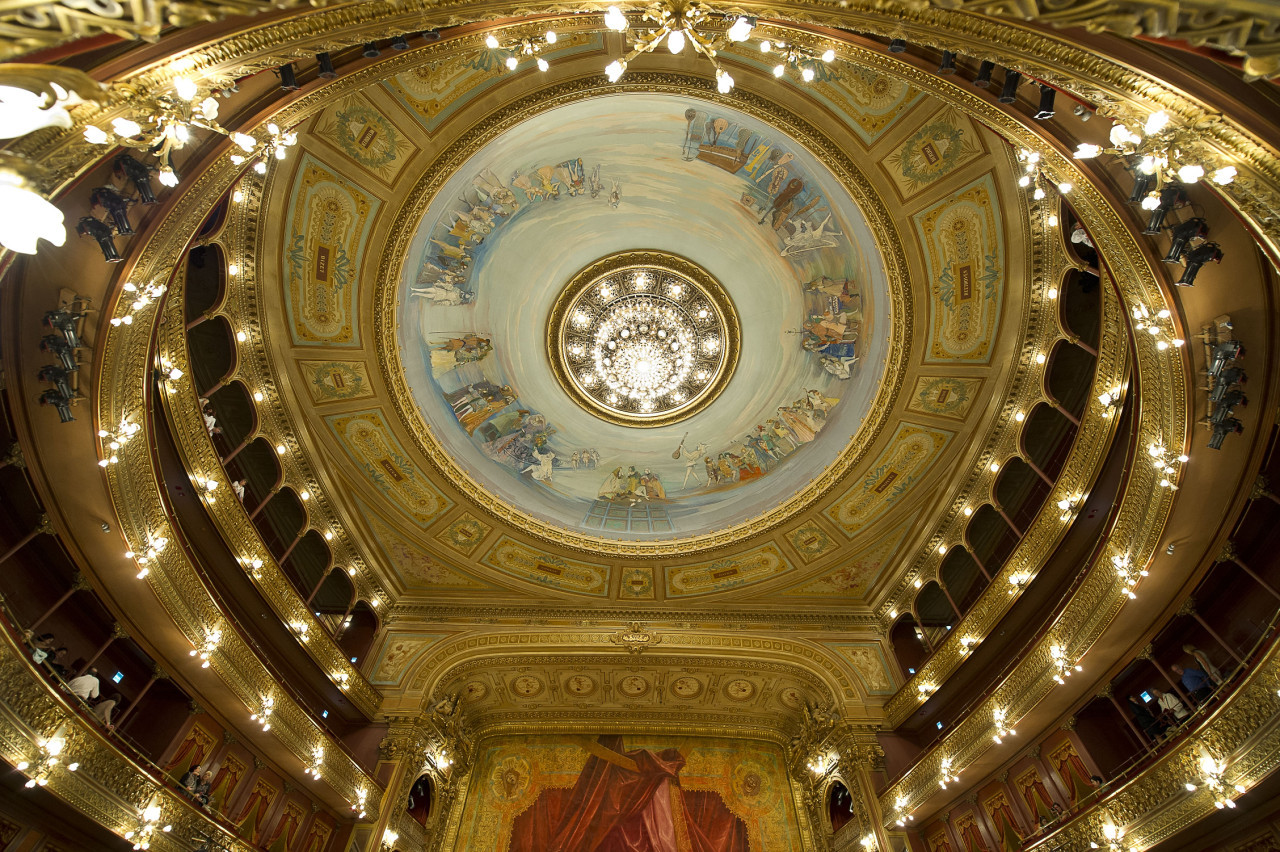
x=636 y=171
x=629 y=794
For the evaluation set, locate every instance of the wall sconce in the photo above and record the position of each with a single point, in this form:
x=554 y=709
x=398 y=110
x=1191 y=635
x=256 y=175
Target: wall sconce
x=317 y=760
x=389 y=839
x=148 y=825
x=948 y=776
x=50 y=758
x=900 y=813
x=1221 y=791
x=1113 y=836
x=968 y=643
x=300 y=628
x=822 y=764
x=869 y=843
x=1165 y=463
x=1154 y=324
x=206 y=648
x=1062 y=666
x=805 y=61
x=1002 y=729
x=1018 y=581
x=263 y=716
x=1111 y=399
x=520 y=48
x=144 y=559
x=252 y=564
x=358 y=805
x=343 y=679
x=1126 y=571
x=113 y=441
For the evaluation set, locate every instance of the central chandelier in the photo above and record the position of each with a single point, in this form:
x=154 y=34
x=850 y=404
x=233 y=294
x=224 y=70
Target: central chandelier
x=643 y=339
x=677 y=24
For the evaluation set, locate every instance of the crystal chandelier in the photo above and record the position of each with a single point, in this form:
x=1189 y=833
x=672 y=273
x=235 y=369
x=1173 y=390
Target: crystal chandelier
x=1165 y=152
x=642 y=344
x=677 y=23
x=164 y=124
x=521 y=48
x=801 y=59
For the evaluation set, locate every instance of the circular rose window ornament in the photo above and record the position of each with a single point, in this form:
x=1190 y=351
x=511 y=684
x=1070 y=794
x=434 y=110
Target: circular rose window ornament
x=643 y=338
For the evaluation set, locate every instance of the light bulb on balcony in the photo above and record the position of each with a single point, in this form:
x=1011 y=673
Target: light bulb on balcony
x=615 y=20
x=740 y=31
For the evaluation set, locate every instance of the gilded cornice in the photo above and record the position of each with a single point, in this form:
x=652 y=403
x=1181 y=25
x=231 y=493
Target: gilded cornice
x=108 y=787
x=123 y=388
x=201 y=458
x=460 y=150
x=1092 y=442
x=682 y=618
x=1243 y=732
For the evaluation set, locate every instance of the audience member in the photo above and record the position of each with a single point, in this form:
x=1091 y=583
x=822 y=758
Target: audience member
x=1150 y=725
x=1195 y=682
x=1205 y=664
x=58 y=662
x=190 y=779
x=237 y=485
x=107 y=706
x=41 y=647
x=203 y=787
x=85 y=686
x=1172 y=710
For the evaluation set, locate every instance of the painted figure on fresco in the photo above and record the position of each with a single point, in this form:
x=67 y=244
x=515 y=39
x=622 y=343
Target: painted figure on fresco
x=628 y=801
x=629 y=485
x=452 y=353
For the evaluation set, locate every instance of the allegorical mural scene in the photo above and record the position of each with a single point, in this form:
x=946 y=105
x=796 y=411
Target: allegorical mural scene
x=801 y=271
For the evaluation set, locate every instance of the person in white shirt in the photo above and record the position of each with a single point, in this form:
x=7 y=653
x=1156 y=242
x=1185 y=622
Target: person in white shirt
x=237 y=485
x=1170 y=705
x=85 y=686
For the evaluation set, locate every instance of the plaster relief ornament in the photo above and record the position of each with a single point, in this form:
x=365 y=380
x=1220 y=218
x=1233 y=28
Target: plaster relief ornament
x=633 y=686
x=527 y=686
x=579 y=685
x=686 y=687
x=740 y=690
x=635 y=638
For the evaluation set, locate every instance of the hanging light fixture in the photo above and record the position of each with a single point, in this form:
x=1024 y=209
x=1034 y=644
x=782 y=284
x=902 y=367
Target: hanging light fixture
x=808 y=64
x=49 y=758
x=148 y=826
x=1223 y=793
x=947 y=774
x=678 y=23
x=25 y=215
x=1062 y=665
x=205 y=649
x=518 y=49
x=263 y=716
x=900 y=813
x=1002 y=727
x=1129 y=574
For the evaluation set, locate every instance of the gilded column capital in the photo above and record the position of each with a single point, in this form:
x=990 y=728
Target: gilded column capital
x=14 y=456
x=1147 y=653
x=1261 y=487
x=1105 y=692
x=45 y=526
x=1228 y=552
x=1188 y=607
x=118 y=632
x=80 y=583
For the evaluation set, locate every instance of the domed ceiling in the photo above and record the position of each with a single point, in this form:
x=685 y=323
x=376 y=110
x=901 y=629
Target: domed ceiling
x=734 y=197
x=870 y=249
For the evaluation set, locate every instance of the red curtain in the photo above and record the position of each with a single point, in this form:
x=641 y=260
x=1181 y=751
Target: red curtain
x=633 y=803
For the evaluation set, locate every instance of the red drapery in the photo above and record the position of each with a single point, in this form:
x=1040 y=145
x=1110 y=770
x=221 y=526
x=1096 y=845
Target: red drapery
x=628 y=802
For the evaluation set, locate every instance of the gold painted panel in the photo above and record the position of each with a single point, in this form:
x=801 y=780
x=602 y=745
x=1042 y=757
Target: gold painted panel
x=364 y=133
x=398 y=654
x=909 y=455
x=811 y=541
x=555 y=572
x=637 y=584
x=868 y=661
x=857 y=573
x=963 y=243
x=336 y=381
x=465 y=534
x=369 y=442
x=416 y=568
x=944 y=396
x=732 y=572
x=946 y=141
x=326 y=228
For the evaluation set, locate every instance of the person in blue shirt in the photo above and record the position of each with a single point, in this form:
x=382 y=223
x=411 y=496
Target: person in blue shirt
x=1196 y=682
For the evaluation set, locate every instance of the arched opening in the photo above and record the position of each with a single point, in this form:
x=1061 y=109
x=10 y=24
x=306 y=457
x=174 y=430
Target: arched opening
x=307 y=562
x=839 y=806
x=990 y=538
x=332 y=599
x=962 y=577
x=213 y=353
x=1070 y=376
x=258 y=466
x=1080 y=307
x=1020 y=492
x=215 y=218
x=357 y=635
x=280 y=523
x=236 y=416
x=908 y=645
x=1047 y=438
x=419 y=803
x=937 y=616
x=206 y=282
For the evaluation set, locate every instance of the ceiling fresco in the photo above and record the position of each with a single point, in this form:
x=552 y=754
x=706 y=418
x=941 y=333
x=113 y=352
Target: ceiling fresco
x=643 y=172
x=417 y=305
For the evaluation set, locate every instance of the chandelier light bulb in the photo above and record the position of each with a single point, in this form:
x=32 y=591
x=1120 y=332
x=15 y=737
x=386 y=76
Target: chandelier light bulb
x=806 y=74
x=615 y=69
x=511 y=63
x=26 y=217
x=186 y=88
x=615 y=20
x=542 y=64
x=675 y=41
x=1222 y=176
x=95 y=135
x=1085 y=151
x=779 y=70
x=1151 y=202
x=766 y=46
x=491 y=41
x=740 y=31
x=1025 y=180
x=1190 y=174
x=1156 y=122
x=550 y=36
x=125 y=127
x=829 y=55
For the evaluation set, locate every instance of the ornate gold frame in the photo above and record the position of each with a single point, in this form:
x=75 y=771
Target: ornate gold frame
x=727 y=321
